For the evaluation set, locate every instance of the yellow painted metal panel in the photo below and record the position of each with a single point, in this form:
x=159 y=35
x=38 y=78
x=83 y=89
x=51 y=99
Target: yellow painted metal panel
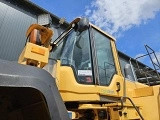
x=142 y=92
x=29 y=54
x=150 y=104
x=114 y=115
x=38 y=50
x=132 y=113
x=71 y=90
x=34 y=52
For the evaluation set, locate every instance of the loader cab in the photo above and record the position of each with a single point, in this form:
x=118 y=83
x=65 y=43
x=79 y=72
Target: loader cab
x=90 y=55
x=89 y=64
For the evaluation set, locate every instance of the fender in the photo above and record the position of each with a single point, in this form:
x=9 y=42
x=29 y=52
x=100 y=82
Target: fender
x=13 y=74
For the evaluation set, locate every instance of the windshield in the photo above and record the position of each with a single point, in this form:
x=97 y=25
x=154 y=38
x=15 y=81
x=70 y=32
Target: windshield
x=77 y=54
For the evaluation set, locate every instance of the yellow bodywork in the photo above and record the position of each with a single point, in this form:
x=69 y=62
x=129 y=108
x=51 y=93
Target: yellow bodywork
x=34 y=52
x=71 y=90
x=149 y=98
x=145 y=98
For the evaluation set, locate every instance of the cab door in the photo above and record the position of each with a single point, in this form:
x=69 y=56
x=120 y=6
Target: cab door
x=109 y=74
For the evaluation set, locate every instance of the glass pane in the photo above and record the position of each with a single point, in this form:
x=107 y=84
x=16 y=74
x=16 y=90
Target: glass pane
x=76 y=52
x=106 y=67
x=67 y=50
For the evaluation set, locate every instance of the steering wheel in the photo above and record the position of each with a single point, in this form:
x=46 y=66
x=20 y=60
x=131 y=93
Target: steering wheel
x=84 y=63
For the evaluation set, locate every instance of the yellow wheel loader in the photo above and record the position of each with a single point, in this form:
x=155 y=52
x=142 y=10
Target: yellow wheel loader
x=86 y=80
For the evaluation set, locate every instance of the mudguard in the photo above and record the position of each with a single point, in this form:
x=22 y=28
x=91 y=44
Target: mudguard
x=13 y=74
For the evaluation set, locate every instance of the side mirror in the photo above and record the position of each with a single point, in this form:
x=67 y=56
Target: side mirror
x=83 y=24
x=128 y=72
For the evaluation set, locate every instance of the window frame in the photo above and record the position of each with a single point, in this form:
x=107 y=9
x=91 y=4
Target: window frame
x=93 y=28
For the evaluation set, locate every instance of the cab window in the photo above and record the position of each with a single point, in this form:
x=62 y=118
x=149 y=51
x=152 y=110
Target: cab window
x=106 y=66
x=77 y=54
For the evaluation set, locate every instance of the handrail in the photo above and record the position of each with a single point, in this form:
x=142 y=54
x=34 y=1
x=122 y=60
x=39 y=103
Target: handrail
x=121 y=107
x=147 y=72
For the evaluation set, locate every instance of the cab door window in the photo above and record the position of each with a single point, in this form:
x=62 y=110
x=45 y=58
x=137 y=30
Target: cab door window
x=106 y=66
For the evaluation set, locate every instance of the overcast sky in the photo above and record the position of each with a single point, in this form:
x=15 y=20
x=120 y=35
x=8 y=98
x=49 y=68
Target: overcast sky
x=133 y=23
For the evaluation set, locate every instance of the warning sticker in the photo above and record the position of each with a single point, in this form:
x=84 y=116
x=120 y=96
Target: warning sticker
x=85 y=72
